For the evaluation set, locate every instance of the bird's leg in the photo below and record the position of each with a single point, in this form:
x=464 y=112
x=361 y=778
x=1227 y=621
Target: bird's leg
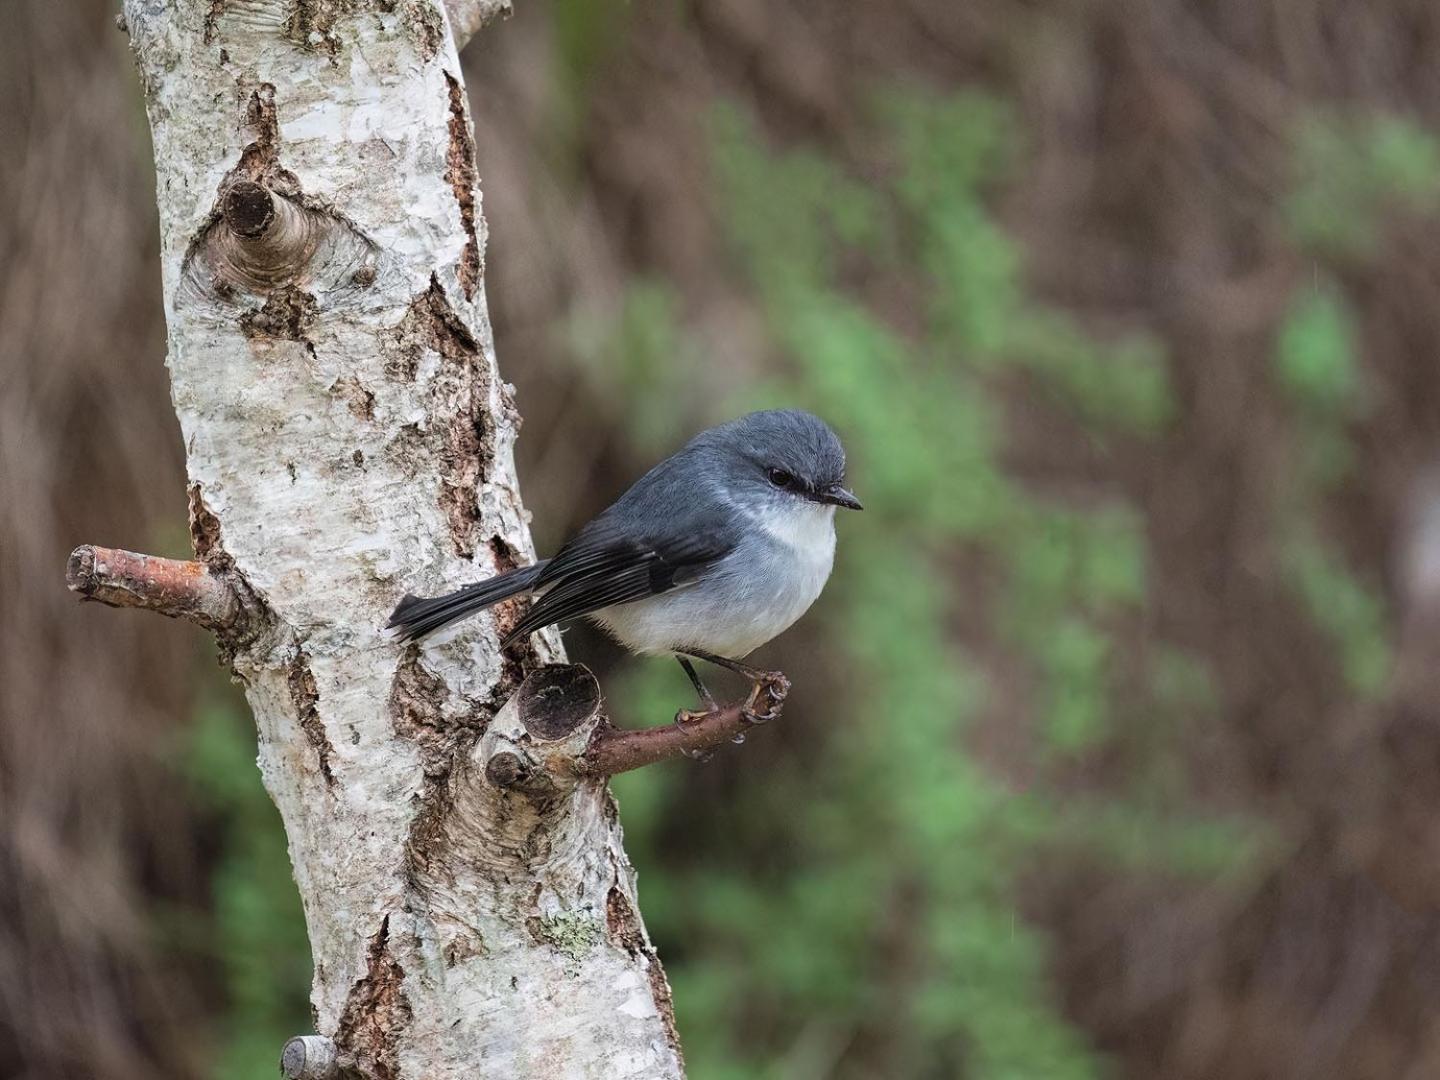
x=767 y=689
x=685 y=717
x=700 y=688
x=753 y=674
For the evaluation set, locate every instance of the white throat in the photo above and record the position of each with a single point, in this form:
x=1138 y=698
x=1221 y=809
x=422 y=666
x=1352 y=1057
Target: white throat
x=807 y=527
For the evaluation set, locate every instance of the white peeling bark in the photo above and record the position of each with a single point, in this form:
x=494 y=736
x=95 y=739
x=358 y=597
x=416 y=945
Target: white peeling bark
x=348 y=439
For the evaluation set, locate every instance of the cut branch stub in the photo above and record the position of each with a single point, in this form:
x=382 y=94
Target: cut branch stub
x=538 y=738
x=506 y=769
x=262 y=242
x=557 y=699
x=557 y=708
x=180 y=589
x=309 y=1057
x=514 y=800
x=249 y=209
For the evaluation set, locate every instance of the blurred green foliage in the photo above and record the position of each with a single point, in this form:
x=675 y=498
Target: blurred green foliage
x=1316 y=359
x=863 y=890
x=1352 y=170
x=643 y=349
x=1357 y=173
x=890 y=911
x=1316 y=367
x=256 y=929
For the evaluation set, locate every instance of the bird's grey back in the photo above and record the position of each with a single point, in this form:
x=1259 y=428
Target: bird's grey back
x=695 y=488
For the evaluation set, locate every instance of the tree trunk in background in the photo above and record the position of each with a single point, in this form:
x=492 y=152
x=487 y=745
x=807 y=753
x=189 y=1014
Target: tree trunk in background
x=348 y=439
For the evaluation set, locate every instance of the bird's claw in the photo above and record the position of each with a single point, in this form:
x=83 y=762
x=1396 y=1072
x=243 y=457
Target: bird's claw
x=683 y=720
x=767 y=698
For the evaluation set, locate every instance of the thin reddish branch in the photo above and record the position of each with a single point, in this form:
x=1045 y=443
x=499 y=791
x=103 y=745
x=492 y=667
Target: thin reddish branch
x=182 y=590
x=566 y=733
x=616 y=750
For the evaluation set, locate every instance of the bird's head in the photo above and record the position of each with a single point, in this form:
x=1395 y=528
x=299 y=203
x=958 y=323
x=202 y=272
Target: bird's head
x=782 y=457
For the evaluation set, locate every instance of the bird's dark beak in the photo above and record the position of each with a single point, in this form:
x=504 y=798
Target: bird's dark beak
x=838 y=496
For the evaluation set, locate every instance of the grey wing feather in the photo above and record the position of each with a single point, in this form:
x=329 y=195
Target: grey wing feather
x=660 y=534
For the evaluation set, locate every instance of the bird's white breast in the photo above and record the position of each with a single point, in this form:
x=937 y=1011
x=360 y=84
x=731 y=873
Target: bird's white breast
x=755 y=593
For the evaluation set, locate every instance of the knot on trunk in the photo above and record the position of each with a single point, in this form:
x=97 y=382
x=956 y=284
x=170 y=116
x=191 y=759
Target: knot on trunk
x=266 y=242
x=249 y=209
x=538 y=739
x=508 y=804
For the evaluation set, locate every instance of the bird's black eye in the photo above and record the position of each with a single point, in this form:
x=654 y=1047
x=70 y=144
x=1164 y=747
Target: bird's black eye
x=780 y=478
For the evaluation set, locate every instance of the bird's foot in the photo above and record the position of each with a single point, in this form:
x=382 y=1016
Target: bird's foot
x=767 y=697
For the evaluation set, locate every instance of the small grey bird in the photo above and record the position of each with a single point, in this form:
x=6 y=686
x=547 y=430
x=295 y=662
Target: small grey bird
x=710 y=554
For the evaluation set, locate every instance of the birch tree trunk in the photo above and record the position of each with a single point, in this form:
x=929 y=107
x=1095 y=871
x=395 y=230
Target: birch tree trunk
x=470 y=908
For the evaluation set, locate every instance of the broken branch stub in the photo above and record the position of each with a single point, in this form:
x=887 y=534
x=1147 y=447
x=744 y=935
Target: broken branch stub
x=309 y=1057
x=249 y=209
x=179 y=589
x=539 y=735
x=262 y=242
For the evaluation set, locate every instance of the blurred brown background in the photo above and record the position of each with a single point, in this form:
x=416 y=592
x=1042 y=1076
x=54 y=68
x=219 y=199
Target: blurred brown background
x=1177 y=262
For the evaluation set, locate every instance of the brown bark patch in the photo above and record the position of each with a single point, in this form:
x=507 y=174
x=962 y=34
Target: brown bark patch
x=212 y=16
x=376 y=1013
x=624 y=928
x=260 y=160
x=505 y=557
x=287 y=313
x=416 y=713
x=312 y=24
x=416 y=697
x=358 y=398
x=306 y=698
x=205 y=532
x=460 y=175
x=521 y=657
x=425 y=26
x=444 y=744
x=464 y=946
x=459 y=420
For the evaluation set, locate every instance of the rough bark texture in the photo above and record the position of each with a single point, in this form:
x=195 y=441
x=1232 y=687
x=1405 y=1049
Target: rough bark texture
x=348 y=439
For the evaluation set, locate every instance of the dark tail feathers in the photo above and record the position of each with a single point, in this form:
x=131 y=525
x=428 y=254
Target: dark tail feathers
x=415 y=617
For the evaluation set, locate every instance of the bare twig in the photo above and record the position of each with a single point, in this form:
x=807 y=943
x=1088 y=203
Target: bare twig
x=616 y=750
x=558 y=731
x=182 y=590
